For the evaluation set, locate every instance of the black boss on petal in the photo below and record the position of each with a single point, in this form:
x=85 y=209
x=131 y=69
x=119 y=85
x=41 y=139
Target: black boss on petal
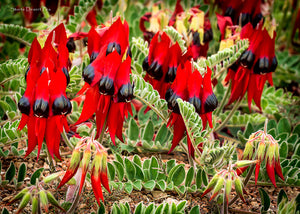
x=125 y=93
x=145 y=64
x=171 y=99
x=88 y=74
x=208 y=36
x=171 y=74
x=273 y=64
x=61 y=105
x=93 y=56
x=230 y=12
x=196 y=38
x=155 y=70
x=42 y=70
x=66 y=73
x=261 y=66
x=247 y=59
x=26 y=73
x=196 y=103
x=41 y=108
x=256 y=19
x=24 y=105
x=245 y=18
x=211 y=103
x=112 y=47
x=71 y=45
x=129 y=52
x=106 y=86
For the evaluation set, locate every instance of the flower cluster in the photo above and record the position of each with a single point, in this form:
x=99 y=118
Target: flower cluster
x=262 y=146
x=172 y=73
x=88 y=149
x=255 y=66
x=226 y=178
x=108 y=88
x=192 y=25
x=242 y=11
x=44 y=104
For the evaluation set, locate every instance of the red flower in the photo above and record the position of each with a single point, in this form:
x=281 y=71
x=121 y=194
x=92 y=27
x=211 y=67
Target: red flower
x=258 y=59
x=44 y=103
x=108 y=88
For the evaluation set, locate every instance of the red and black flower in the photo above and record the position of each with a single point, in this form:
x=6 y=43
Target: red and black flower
x=44 y=103
x=108 y=87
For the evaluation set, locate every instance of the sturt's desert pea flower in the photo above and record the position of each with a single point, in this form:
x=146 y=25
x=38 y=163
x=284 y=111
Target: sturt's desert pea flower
x=108 y=90
x=44 y=105
x=262 y=147
x=89 y=155
x=192 y=25
x=255 y=65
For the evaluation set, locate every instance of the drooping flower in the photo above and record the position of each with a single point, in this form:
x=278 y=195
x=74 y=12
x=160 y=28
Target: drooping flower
x=266 y=149
x=44 y=103
x=108 y=90
x=89 y=154
x=255 y=65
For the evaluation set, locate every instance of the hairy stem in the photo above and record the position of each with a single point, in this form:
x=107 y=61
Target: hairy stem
x=75 y=202
x=11 y=78
x=50 y=161
x=18 y=39
x=222 y=104
x=235 y=107
x=65 y=137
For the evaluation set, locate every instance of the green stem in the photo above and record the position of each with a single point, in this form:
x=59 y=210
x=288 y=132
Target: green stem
x=11 y=78
x=14 y=119
x=65 y=137
x=7 y=93
x=18 y=39
x=245 y=183
x=223 y=100
x=13 y=141
x=50 y=160
x=260 y=183
x=235 y=107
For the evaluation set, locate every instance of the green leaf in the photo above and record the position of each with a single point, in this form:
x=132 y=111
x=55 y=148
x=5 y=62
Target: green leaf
x=133 y=134
x=181 y=206
x=11 y=171
x=120 y=170
x=195 y=210
x=137 y=185
x=36 y=175
x=111 y=171
x=153 y=169
x=149 y=185
x=101 y=209
x=139 y=174
x=176 y=36
x=199 y=178
x=4 y=211
x=265 y=199
x=130 y=169
x=21 y=173
x=148 y=132
x=139 y=208
x=180 y=190
x=178 y=175
x=281 y=196
x=150 y=209
x=137 y=160
x=204 y=178
x=119 y=158
x=161 y=184
x=128 y=187
x=170 y=165
x=283 y=126
x=162 y=134
x=283 y=150
x=189 y=177
x=159 y=209
x=18 y=33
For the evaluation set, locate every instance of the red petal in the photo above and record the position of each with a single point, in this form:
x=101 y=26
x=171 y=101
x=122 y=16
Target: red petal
x=179 y=130
x=257 y=167
x=32 y=139
x=104 y=180
x=270 y=170
x=96 y=184
x=278 y=169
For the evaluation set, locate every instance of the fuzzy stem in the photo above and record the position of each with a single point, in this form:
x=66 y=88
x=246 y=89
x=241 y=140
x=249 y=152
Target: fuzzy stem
x=245 y=183
x=235 y=107
x=225 y=204
x=11 y=78
x=50 y=161
x=64 y=136
x=75 y=202
x=219 y=110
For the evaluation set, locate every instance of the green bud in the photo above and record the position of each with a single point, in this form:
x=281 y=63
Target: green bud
x=239 y=187
x=219 y=184
x=243 y=163
x=72 y=181
x=53 y=201
x=75 y=159
x=97 y=162
x=261 y=151
x=19 y=195
x=213 y=181
x=24 y=201
x=86 y=158
x=276 y=151
x=51 y=177
x=35 y=205
x=248 y=152
x=271 y=151
x=43 y=199
x=228 y=187
x=104 y=161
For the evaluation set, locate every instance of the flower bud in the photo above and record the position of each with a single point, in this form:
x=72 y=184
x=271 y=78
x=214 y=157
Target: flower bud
x=85 y=163
x=19 y=195
x=211 y=184
x=261 y=150
x=53 y=201
x=239 y=188
x=228 y=187
x=243 y=163
x=248 y=152
x=218 y=187
x=44 y=200
x=24 y=202
x=103 y=171
x=34 y=204
x=51 y=177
